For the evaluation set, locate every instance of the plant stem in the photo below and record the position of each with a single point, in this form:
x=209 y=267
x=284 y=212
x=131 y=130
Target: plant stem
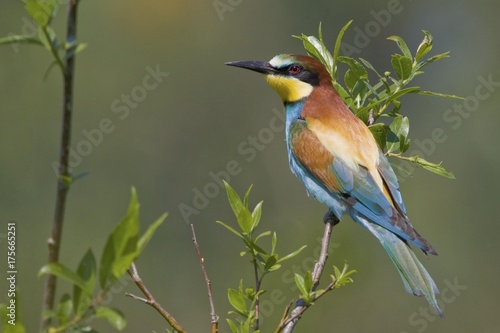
x=54 y=242
x=134 y=274
x=258 y=282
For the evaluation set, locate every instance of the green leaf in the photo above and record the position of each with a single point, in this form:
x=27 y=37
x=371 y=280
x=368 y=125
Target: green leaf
x=114 y=317
x=230 y=229
x=144 y=240
x=368 y=65
x=64 y=309
x=271 y=261
x=433 y=59
x=41 y=11
x=336 y=49
x=121 y=247
x=356 y=79
x=247 y=196
x=245 y=220
x=232 y=326
x=299 y=282
x=274 y=241
x=402 y=46
x=379 y=132
x=342 y=278
x=234 y=199
x=308 y=283
x=401 y=93
x=402 y=66
x=436 y=94
x=256 y=215
x=399 y=128
x=316 y=48
x=237 y=300
x=87 y=272
x=320 y=52
x=293 y=254
x=436 y=168
x=424 y=47
x=355 y=66
x=19 y=39
x=63 y=272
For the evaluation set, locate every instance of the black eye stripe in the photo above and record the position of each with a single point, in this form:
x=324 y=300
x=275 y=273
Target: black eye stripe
x=300 y=73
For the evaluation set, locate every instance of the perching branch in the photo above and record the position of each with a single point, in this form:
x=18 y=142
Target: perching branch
x=134 y=274
x=215 y=318
x=288 y=324
x=54 y=242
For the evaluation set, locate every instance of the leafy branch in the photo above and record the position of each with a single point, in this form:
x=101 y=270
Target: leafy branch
x=42 y=12
x=245 y=301
x=309 y=283
x=372 y=101
x=123 y=246
x=309 y=295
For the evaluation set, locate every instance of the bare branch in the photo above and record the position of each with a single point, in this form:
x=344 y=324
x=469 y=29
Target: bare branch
x=287 y=325
x=134 y=274
x=213 y=314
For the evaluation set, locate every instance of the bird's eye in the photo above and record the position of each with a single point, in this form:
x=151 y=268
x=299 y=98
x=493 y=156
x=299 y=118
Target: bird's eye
x=294 y=69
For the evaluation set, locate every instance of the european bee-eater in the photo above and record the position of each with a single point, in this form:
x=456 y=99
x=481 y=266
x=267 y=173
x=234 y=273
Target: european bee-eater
x=337 y=158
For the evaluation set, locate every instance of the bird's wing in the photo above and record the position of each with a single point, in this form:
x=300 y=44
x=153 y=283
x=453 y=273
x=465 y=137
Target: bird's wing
x=391 y=182
x=354 y=182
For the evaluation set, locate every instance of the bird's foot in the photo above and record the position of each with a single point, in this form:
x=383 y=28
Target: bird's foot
x=330 y=217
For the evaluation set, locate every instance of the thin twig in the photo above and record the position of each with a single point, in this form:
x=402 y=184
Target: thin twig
x=288 y=325
x=213 y=314
x=150 y=300
x=54 y=242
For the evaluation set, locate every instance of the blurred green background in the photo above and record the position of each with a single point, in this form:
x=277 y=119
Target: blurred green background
x=170 y=139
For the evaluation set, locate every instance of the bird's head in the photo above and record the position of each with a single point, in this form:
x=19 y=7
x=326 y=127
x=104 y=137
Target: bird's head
x=292 y=76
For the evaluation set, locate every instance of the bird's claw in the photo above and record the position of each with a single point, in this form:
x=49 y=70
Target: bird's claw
x=330 y=217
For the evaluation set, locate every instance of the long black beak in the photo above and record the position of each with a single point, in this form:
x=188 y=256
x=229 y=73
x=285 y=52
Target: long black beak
x=257 y=66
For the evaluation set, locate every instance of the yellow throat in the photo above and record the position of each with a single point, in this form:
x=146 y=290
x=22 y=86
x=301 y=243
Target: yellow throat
x=289 y=89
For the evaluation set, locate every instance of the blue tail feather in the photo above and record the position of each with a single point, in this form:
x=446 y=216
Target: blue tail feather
x=415 y=277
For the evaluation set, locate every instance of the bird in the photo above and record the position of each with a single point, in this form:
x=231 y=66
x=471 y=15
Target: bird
x=339 y=162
